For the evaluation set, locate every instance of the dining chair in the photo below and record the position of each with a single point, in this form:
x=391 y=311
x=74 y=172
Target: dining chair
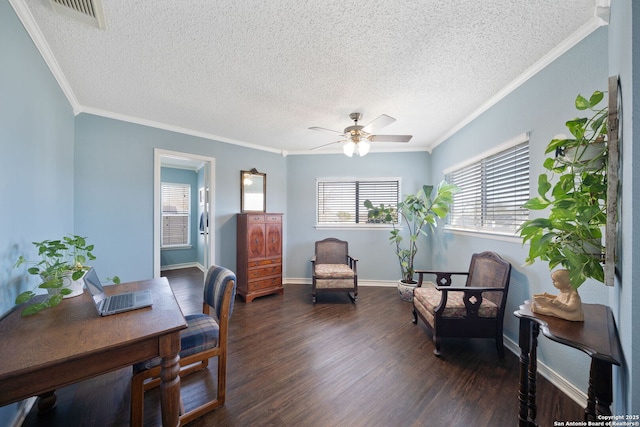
x=205 y=337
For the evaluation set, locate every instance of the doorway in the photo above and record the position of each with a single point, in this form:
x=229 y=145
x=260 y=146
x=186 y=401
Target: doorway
x=202 y=165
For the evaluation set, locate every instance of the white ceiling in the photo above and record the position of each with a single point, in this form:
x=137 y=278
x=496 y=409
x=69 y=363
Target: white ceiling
x=260 y=73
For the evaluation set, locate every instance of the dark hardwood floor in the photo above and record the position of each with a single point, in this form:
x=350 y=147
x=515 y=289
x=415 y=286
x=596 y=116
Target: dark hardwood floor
x=292 y=363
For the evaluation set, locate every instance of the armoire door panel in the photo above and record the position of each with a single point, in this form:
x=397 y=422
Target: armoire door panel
x=256 y=241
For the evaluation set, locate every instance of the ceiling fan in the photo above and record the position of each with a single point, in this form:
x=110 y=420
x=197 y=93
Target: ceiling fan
x=357 y=138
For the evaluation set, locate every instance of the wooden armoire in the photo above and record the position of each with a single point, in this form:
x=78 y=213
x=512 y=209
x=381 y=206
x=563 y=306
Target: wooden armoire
x=259 y=255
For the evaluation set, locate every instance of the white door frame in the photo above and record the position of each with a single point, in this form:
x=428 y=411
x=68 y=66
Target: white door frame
x=209 y=250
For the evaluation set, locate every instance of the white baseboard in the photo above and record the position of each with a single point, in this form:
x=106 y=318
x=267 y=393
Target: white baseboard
x=552 y=376
x=184 y=265
x=307 y=281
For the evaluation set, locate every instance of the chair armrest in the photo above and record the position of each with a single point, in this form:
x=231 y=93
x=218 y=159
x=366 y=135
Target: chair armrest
x=443 y=278
x=353 y=264
x=468 y=289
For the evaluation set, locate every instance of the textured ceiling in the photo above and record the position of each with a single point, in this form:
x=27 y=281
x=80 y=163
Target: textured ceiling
x=260 y=73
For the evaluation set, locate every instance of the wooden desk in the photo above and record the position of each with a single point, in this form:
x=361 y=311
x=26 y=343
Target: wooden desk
x=71 y=342
x=597 y=336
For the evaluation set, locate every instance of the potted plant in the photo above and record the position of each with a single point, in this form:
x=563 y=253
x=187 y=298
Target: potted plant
x=574 y=190
x=419 y=213
x=62 y=264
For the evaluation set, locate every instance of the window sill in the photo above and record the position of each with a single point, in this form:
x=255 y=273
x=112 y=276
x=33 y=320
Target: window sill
x=494 y=235
x=171 y=248
x=368 y=227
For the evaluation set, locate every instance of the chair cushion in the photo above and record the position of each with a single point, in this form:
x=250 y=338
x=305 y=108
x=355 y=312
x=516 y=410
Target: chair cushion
x=201 y=334
x=333 y=271
x=428 y=298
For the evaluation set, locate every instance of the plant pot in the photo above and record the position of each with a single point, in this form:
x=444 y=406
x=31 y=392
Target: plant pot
x=406 y=290
x=586 y=157
x=76 y=286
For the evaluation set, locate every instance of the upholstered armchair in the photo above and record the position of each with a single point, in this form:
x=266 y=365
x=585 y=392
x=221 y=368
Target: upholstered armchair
x=333 y=269
x=475 y=310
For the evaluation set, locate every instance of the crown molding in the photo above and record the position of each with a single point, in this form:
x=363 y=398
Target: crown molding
x=171 y=128
x=593 y=24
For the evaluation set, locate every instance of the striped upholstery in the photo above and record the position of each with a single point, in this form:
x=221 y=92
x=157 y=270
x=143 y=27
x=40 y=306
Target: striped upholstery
x=201 y=334
x=215 y=284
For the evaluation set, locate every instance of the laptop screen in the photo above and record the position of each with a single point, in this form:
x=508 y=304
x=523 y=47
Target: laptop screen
x=94 y=286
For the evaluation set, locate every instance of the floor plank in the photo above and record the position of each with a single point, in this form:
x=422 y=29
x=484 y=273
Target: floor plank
x=335 y=363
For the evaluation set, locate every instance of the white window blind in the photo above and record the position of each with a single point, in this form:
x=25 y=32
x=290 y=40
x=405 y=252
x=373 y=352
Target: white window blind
x=492 y=192
x=176 y=214
x=342 y=201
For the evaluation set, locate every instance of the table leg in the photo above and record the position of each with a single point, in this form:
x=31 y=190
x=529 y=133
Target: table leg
x=47 y=401
x=533 y=371
x=169 y=374
x=600 y=393
x=525 y=397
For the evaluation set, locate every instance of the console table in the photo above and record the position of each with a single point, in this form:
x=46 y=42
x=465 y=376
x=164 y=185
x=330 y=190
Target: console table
x=72 y=342
x=597 y=336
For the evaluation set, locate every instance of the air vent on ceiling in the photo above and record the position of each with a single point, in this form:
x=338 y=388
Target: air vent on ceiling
x=87 y=11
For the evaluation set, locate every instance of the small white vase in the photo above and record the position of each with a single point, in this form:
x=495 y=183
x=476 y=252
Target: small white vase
x=406 y=290
x=583 y=156
x=76 y=286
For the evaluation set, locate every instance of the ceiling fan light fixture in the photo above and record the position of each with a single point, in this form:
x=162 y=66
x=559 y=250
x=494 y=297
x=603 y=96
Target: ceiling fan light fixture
x=357 y=138
x=363 y=147
x=349 y=148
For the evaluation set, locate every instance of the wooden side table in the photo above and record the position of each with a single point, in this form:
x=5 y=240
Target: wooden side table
x=597 y=336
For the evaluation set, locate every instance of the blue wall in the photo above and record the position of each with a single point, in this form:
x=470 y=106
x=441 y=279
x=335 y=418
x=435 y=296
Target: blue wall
x=114 y=168
x=36 y=159
x=624 y=61
x=376 y=256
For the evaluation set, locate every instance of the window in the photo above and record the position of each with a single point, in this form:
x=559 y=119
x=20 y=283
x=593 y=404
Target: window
x=176 y=214
x=341 y=201
x=492 y=190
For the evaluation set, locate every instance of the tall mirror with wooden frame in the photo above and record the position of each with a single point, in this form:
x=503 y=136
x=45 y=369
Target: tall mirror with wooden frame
x=253 y=191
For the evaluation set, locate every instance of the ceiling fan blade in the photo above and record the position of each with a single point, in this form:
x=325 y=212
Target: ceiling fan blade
x=391 y=138
x=381 y=121
x=324 y=145
x=326 y=130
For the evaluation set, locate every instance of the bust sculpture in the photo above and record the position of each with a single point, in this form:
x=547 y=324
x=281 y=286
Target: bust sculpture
x=566 y=305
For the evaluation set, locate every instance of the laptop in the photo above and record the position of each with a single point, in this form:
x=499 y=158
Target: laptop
x=118 y=303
